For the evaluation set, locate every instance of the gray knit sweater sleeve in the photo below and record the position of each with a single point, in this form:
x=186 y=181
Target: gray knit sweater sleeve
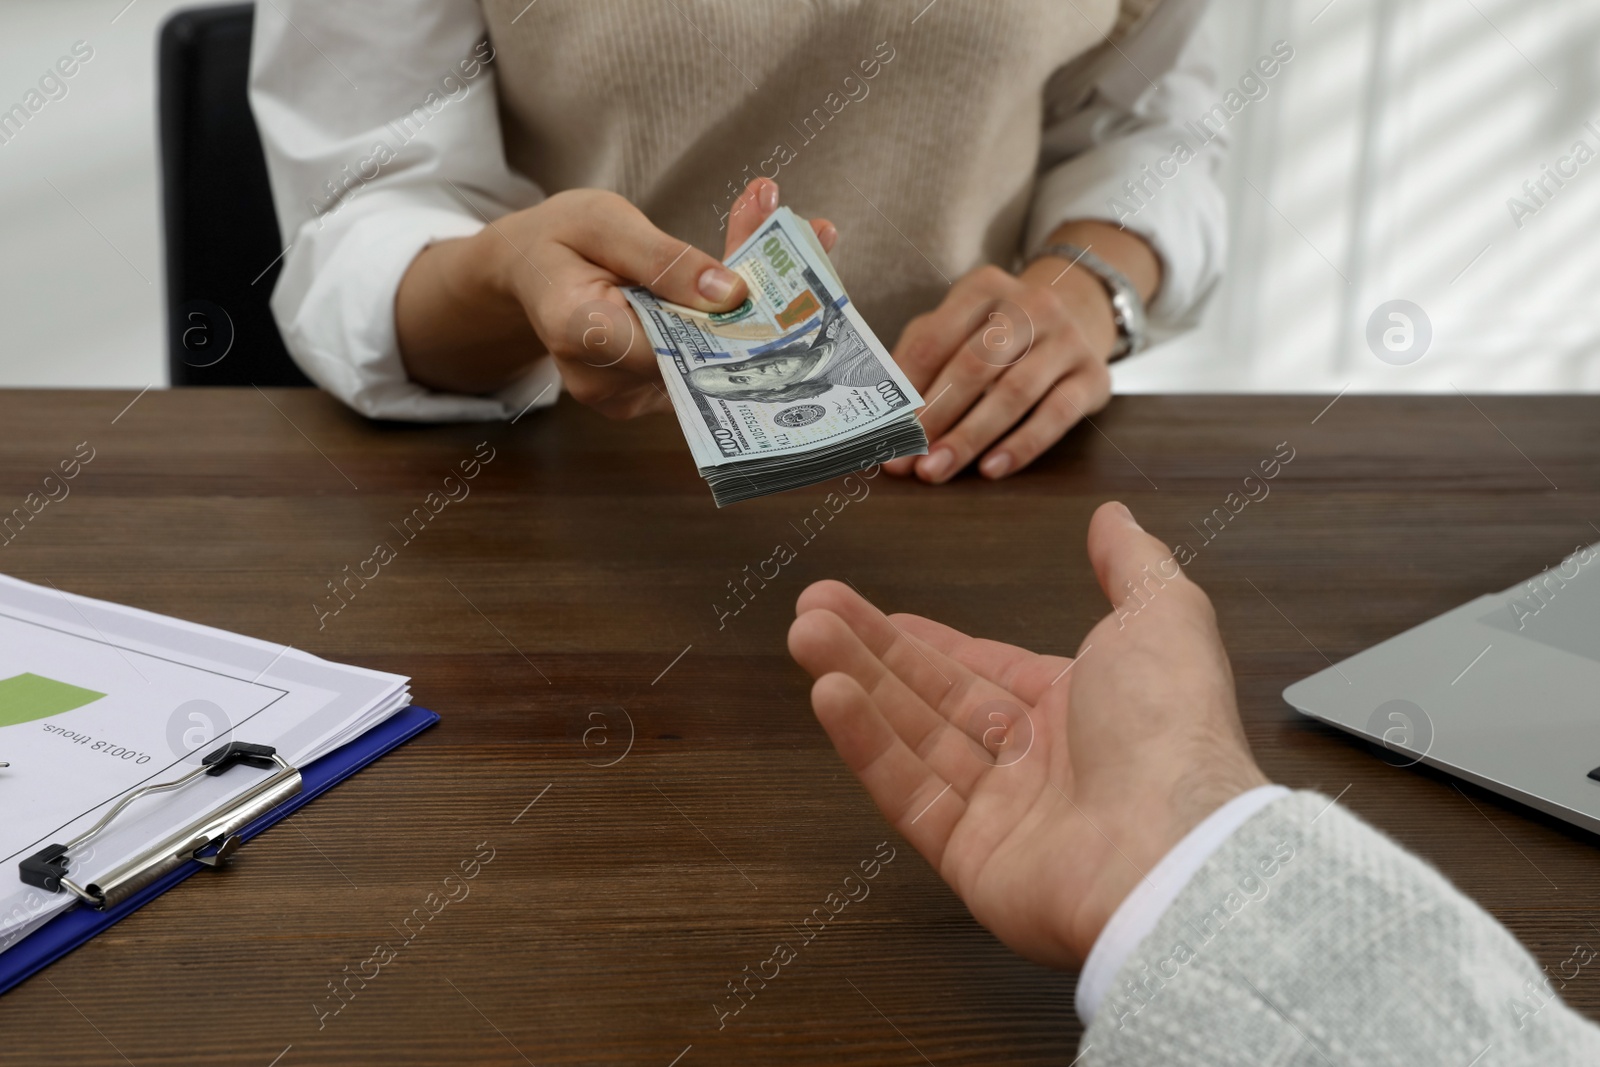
x=1311 y=939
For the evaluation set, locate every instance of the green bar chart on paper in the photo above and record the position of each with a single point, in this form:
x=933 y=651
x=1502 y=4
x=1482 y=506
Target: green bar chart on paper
x=25 y=697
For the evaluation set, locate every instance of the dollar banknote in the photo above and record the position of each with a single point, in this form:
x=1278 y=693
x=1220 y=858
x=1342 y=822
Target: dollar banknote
x=792 y=387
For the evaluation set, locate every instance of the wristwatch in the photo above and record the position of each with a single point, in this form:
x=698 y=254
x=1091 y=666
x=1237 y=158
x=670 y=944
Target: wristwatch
x=1127 y=306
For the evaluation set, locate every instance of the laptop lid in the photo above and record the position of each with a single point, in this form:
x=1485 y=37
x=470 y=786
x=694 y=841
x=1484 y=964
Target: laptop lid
x=1503 y=691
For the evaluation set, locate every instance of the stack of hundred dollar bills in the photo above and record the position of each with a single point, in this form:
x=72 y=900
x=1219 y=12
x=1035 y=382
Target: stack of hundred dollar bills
x=789 y=389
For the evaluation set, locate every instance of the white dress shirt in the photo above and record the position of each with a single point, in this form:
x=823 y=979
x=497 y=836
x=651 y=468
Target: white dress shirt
x=1142 y=909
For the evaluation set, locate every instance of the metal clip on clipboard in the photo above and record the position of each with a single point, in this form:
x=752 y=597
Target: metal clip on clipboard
x=47 y=868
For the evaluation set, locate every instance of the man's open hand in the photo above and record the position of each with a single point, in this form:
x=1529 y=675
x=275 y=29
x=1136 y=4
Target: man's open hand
x=1041 y=788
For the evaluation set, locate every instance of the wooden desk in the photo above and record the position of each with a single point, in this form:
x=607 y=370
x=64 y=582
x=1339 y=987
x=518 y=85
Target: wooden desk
x=629 y=886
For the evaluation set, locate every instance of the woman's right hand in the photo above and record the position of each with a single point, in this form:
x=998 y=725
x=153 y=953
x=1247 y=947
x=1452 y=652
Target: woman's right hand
x=467 y=307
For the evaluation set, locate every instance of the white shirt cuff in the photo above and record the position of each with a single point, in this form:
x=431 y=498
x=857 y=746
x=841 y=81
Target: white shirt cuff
x=1142 y=909
x=335 y=308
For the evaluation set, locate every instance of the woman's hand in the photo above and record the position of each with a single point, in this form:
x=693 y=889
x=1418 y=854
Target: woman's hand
x=760 y=199
x=1041 y=788
x=1000 y=347
x=472 y=314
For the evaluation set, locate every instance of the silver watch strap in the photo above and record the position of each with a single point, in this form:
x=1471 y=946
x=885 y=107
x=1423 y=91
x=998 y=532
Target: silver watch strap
x=1127 y=306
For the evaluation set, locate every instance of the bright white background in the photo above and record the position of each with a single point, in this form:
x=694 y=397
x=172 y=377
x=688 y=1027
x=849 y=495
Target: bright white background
x=1377 y=168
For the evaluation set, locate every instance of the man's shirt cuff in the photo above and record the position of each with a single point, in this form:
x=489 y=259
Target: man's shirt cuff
x=1143 y=908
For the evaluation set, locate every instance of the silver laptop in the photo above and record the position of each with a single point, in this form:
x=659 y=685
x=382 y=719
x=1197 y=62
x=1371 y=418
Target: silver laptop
x=1503 y=691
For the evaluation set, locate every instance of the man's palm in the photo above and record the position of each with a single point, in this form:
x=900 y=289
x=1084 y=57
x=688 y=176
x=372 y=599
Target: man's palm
x=962 y=743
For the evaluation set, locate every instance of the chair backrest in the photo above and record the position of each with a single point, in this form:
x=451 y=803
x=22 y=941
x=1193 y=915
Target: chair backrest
x=222 y=244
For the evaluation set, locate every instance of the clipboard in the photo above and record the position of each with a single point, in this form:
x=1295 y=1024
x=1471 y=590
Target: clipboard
x=66 y=932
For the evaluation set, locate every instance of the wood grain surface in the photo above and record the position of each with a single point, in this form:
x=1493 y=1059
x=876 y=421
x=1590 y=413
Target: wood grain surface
x=661 y=808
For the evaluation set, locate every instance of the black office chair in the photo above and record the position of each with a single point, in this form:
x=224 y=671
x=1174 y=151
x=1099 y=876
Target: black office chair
x=222 y=243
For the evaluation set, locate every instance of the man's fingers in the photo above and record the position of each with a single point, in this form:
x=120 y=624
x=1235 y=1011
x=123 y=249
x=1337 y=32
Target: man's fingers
x=928 y=673
x=915 y=800
x=922 y=691
x=622 y=240
x=823 y=643
x=1027 y=675
x=1125 y=558
x=1080 y=393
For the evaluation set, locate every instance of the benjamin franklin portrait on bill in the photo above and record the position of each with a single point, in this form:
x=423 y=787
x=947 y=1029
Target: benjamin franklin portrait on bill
x=834 y=355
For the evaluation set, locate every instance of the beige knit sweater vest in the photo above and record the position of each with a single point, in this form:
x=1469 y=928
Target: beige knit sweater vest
x=913 y=126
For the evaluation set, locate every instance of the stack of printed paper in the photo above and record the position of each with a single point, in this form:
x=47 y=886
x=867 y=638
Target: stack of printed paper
x=98 y=700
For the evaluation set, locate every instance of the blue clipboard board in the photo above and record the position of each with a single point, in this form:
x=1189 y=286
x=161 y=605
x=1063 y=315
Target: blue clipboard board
x=67 y=931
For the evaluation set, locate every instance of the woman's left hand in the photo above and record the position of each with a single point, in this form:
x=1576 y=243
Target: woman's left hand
x=1015 y=359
